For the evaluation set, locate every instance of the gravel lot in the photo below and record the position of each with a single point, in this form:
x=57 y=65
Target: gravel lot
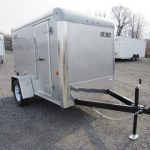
x=42 y=125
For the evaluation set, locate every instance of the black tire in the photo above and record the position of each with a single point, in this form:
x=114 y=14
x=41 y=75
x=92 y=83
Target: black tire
x=137 y=57
x=17 y=93
x=133 y=58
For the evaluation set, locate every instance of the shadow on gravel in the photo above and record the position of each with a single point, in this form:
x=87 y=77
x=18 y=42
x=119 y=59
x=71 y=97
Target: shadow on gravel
x=41 y=124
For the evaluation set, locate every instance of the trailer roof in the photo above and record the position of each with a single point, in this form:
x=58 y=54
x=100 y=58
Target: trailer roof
x=66 y=15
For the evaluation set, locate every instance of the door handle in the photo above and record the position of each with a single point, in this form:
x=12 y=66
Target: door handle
x=41 y=59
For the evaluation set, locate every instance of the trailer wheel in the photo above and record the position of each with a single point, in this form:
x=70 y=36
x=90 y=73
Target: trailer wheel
x=133 y=58
x=137 y=57
x=17 y=93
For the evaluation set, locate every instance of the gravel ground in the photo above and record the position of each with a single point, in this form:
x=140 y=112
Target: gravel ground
x=42 y=125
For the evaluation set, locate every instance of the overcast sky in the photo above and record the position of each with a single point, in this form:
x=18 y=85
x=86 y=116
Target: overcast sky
x=17 y=12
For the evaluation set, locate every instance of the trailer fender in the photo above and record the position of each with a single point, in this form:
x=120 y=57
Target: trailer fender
x=26 y=85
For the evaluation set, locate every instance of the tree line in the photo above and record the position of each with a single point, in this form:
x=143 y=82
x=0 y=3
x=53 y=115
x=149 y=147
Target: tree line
x=127 y=23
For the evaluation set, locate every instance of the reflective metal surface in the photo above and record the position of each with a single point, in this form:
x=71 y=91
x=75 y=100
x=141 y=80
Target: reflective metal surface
x=90 y=56
x=64 y=51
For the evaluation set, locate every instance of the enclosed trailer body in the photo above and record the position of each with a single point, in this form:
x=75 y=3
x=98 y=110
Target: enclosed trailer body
x=62 y=55
x=2 y=48
x=62 y=50
x=129 y=48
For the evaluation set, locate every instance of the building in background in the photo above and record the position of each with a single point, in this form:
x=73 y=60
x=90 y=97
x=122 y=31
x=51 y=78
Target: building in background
x=147 y=53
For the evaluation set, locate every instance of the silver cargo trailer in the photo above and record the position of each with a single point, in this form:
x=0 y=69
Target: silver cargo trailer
x=60 y=50
x=62 y=55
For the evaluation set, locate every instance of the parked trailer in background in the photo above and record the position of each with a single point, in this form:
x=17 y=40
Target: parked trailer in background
x=129 y=48
x=2 y=49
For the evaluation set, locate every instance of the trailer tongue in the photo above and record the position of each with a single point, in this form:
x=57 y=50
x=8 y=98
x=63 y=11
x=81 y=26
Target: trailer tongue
x=130 y=106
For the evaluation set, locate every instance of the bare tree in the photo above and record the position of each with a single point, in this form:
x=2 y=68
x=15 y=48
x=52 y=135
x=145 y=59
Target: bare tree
x=139 y=29
x=101 y=14
x=136 y=28
x=132 y=26
x=122 y=17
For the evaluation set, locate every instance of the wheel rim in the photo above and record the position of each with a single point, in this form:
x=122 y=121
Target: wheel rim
x=17 y=93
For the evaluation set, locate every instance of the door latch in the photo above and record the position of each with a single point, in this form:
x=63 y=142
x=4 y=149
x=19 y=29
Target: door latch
x=41 y=59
